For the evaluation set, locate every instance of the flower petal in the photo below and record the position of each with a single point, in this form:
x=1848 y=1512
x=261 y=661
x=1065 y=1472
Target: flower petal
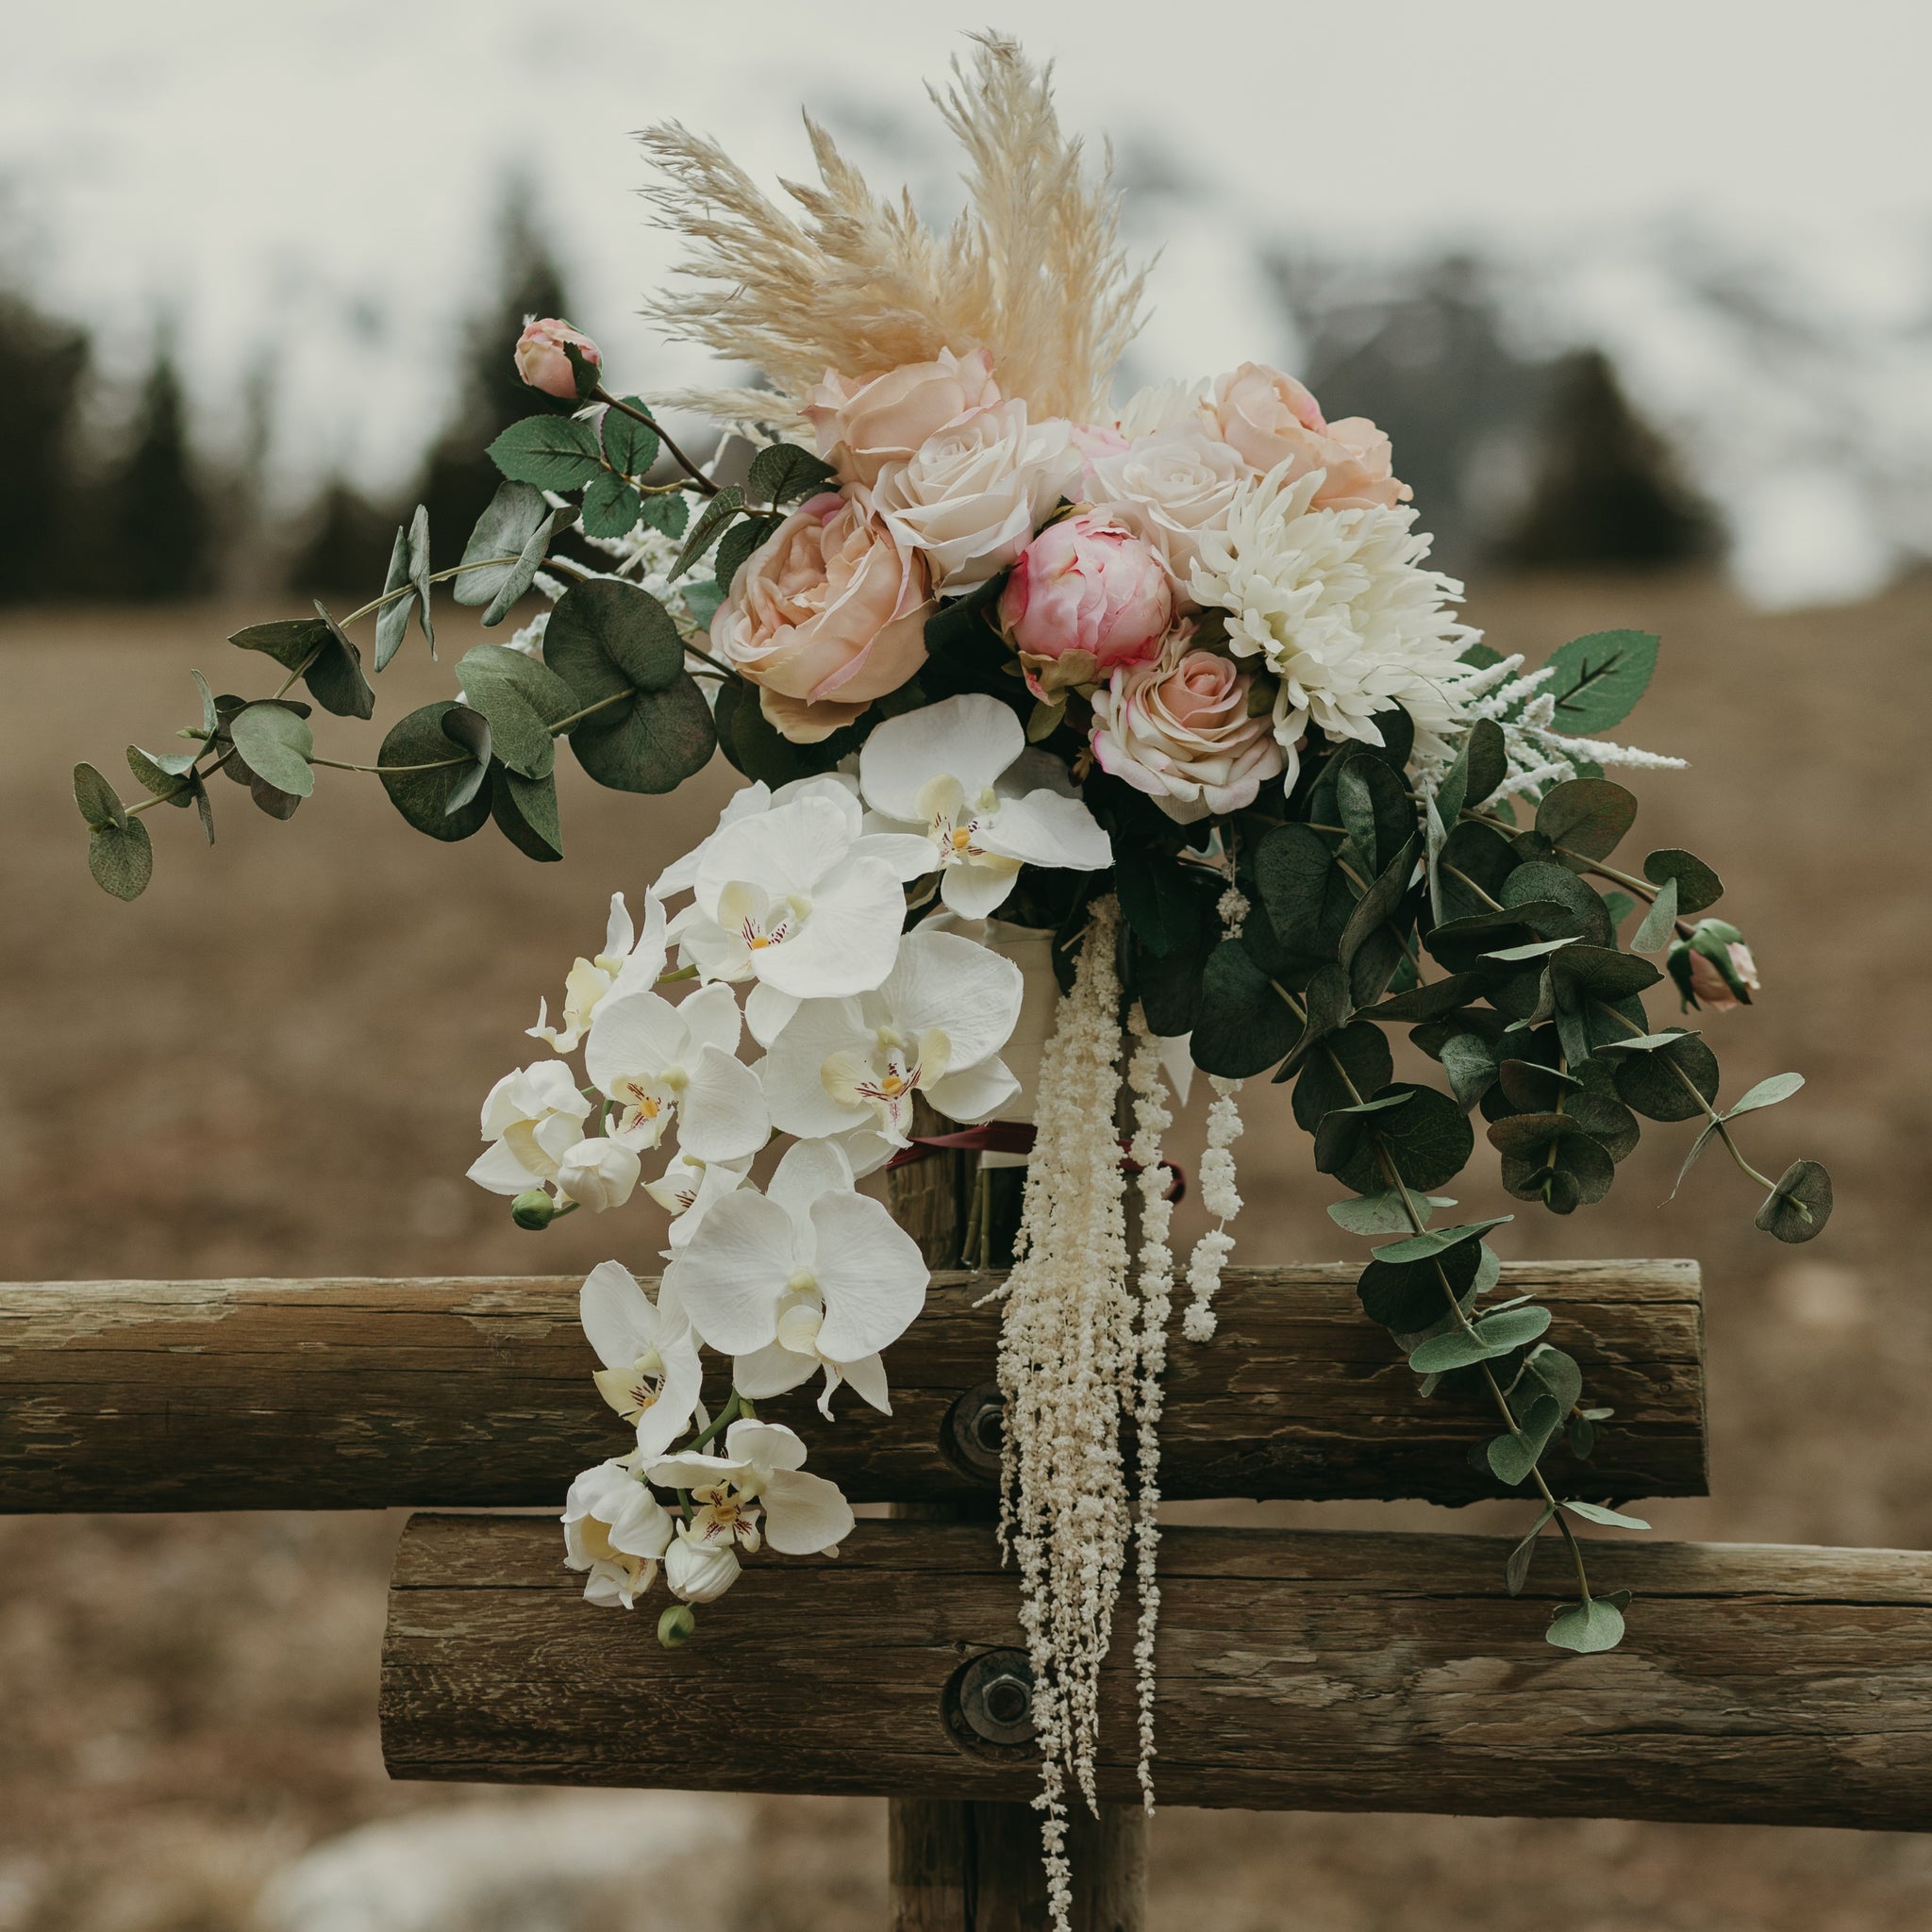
x=967 y=990
x=786 y=850
x=910 y=854
x=636 y=1037
x=1043 y=828
x=711 y=1017
x=973 y=738
x=868 y=1377
x=973 y=892
x=870 y=1273
x=722 y=1114
x=848 y=941
x=767 y=1372
x=808 y=1169
x=667 y=1418
x=617 y=1315
x=768 y=1012
x=976 y=1093
x=498 y=1169
x=792 y=1072
x=804 y=1514
x=764 y=1445
x=730 y=1273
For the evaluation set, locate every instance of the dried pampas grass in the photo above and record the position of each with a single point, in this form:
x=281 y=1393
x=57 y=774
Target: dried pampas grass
x=1032 y=271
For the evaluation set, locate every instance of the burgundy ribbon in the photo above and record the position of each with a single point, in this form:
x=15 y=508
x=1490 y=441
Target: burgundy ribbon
x=1012 y=1137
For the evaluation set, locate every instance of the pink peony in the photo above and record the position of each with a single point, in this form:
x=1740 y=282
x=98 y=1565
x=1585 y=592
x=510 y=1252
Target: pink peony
x=1271 y=419
x=1182 y=733
x=1086 y=597
x=826 y=615
x=542 y=361
x=864 y=424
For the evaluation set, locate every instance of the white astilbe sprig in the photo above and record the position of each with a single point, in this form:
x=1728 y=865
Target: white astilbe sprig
x=1068 y=1358
x=1538 y=754
x=1218 y=1195
x=1154 y=1261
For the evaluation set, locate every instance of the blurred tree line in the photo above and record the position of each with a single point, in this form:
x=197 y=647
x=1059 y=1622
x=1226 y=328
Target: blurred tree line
x=1522 y=463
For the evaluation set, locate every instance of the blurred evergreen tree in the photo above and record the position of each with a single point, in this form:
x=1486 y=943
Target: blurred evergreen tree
x=1608 y=492
x=155 y=532
x=43 y=363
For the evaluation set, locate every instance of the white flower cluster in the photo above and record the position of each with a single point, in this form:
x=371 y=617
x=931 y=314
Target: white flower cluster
x=799 y=899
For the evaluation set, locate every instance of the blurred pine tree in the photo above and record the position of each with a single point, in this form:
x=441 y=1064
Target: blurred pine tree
x=154 y=533
x=43 y=363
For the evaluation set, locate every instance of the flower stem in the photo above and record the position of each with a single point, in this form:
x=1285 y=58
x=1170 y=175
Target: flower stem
x=663 y=435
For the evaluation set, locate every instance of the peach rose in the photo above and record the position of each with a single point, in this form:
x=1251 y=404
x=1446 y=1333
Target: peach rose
x=1085 y=596
x=1271 y=419
x=862 y=426
x=541 y=358
x=1182 y=733
x=825 y=616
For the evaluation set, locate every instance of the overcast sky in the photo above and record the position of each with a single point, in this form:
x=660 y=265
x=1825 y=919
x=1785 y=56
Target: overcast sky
x=319 y=173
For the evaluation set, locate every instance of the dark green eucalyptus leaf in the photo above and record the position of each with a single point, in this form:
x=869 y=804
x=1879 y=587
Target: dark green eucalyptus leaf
x=1798 y=1207
x=1544 y=880
x=1558 y=1374
x=605 y=637
x=652 y=745
x=496 y=559
x=1429 y=1001
x=785 y=473
x=754 y=746
x=197 y=789
x=1385 y=1213
x=525 y=812
x=630 y=447
x=1512 y=1457
x=321 y=650
x=1305 y=895
x=121 y=857
x=548 y=452
x=1470 y=868
x=273 y=800
x=1347 y=1064
x=1158 y=899
x=164 y=774
x=1766 y=1094
x=1516 y=1571
x=1587 y=818
x=1437 y=1240
x=1325 y=1002
x=1697 y=885
x=1246 y=1025
x=1484 y=1340
x=1375 y=808
x=1470 y=1064
x=1659 y=924
x=521 y=699
x=1428 y=1140
x=717 y=512
x=1600 y=973
x=611 y=506
x=419 y=574
x=276 y=744
x=1667 y=1083
x=210 y=716
x=1599 y=680
x=447 y=800
x=1408 y=1298
x=392 y=620
x=1378 y=904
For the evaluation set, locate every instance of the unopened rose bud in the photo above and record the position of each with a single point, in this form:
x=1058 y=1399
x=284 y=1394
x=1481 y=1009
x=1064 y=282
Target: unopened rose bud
x=1713 y=967
x=534 y=1209
x=544 y=362
x=598 y=1174
x=678 y=1625
x=700 y=1572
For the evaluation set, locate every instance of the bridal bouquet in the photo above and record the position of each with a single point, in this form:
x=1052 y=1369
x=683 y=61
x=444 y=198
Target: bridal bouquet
x=1087 y=742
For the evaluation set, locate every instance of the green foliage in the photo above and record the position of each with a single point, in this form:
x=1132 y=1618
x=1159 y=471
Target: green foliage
x=1599 y=680
x=1697 y=885
x=630 y=447
x=785 y=473
x=549 y=452
x=718 y=511
x=521 y=700
x=317 y=649
x=1800 y=1205
x=525 y=812
x=611 y=506
x=739 y=542
x=437 y=766
x=275 y=743
x=505 y=549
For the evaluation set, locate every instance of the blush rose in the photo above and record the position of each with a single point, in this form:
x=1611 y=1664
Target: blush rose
x=542 y=360
x=863 y=425
x=1182 y=733
x=1271 y=419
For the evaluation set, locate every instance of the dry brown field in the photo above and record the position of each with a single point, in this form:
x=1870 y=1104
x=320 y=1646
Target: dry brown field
x=271 y=1065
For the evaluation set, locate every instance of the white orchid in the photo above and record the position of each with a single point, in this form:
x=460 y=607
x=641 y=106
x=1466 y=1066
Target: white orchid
x=532 y=1118
x=650 y=1374
x=700 y=1572
x=598 y=1174
x=808 y=1274
x=629 y=958
x=934 y=1026
x=689 y=1188
x=947 y=772
x=657 y=1063
x=761 y=1473
x=801 y=901
x=617 y=1530
x=753 y=801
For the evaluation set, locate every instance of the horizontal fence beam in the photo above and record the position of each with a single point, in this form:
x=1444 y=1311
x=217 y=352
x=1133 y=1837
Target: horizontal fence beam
x=1297 y=1669
x=345 y=1394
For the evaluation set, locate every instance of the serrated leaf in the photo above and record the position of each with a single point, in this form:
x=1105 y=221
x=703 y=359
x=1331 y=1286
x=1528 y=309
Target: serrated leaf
x=121 y=857
x=717 y=512
x=739 y=542
x=1587 y=1628
x=611 y=506
x=1602 y=1513
x=392 y=620
x=630 y=446
x=275 y=744
x=548 y=453
x=786 y=474
x=1599 y=678
x=669 y=511
x=1660 y=923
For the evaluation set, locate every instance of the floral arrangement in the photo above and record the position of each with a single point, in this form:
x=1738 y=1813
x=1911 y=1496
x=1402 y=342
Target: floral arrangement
x=1087 y=744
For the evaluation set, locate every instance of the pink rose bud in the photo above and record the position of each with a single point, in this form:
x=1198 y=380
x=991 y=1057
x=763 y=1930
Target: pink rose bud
x=1086 y=597
x=1713 y=967
x=543 y=360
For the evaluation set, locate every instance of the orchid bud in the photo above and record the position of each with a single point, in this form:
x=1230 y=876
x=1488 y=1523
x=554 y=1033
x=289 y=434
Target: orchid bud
x=678 y=1625
x=1713 y=967
x=700 y=1572
x=598 y=1174
x=555 y=358
x=533 y=1209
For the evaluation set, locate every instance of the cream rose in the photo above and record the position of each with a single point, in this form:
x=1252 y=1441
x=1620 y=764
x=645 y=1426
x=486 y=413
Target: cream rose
x=970 y=498
x=862 y=426
x=1182 y=733
x=1170 y=487
x=1271 y=419
x=825 y=616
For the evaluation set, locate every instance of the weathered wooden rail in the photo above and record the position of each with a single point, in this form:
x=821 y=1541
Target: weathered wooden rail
x=1298 y=1670
x=359 y=1395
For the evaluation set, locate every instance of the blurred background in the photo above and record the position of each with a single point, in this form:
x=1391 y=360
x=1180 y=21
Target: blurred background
x=1645 y=300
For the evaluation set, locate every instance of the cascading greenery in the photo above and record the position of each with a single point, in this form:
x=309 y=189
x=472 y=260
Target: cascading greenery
x=1379 y=897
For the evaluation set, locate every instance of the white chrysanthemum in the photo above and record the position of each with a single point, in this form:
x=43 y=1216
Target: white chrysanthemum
x=1162 y=406
x=1338 y=605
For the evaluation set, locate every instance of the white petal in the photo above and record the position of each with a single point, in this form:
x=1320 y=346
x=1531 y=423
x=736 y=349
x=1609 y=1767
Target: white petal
x=692 y=1469
x=868 y=1377
x=722 y=1115
x=870 y=1273
x=910 y=854
x=764 y=1445
x=790 y=1073
x=973 y=892
x=498 y=1169
x=786 y=850
x=848 y=941
x=768 y=1012
x=973 y=738
x=617 y=1315
x=1176 y=1052
x=1043 y=828
x=711 y=1017
x=680 y=875
x=667 y=1418
x=809 y=1169
x=967 y=990
x=619 y=934
x=730 y=1273
x=976 y=1093
x=635 y=1037
x=768 y=1372
x=867 y=1149
x=804 y=1512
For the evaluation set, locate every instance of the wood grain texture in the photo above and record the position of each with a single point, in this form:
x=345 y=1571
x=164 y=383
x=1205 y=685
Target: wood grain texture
x=342 y=1394
x=1298 y=1670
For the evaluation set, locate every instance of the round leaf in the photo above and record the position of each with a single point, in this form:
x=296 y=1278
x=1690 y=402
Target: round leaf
x=652 y=745
x=425 y=798
x=121 y=857
x=275 y=746
x=1800 y=1205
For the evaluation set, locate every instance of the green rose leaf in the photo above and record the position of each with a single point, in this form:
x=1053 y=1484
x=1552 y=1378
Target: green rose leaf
x=1599 y=678
x=525 y=812
x=548 y=453
x=451 y=743
x=786 y=474
x=611 y=506
x=1697 y=885
x=717 y=512
x=121 y=857
x=275 y=744
x=392 y=620
x=741 y=539
x=669 y=513
x=629 y=446
x=1798 y=1207
x=521 y=699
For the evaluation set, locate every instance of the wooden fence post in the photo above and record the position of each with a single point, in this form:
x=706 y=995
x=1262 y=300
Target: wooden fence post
x=967 y=1865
